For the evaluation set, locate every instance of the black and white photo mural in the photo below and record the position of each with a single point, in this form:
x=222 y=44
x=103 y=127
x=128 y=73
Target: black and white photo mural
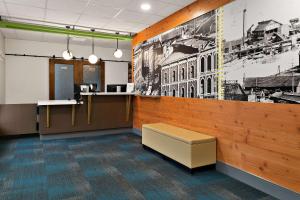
x=261 y=51
x=258 y=59
x=180 y=62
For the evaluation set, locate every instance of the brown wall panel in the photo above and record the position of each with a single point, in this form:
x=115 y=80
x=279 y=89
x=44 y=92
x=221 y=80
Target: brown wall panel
x=262 y=139
x=17 y=119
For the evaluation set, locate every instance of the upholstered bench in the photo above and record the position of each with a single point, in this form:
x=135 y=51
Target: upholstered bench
x=189 y=148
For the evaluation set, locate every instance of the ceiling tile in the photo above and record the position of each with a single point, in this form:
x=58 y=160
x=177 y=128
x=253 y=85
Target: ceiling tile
x=90 y=21
x=159 y=8
x=135 y=6
x=101 y=11
x=130 y=16
x=167 y=10
x=74 y=6
x=179 y=2
x=61 y=17
x=137 y=29
x=111 y=3
x=15 y=10
x=124 y=26
x=136 y=17
x=34 y=3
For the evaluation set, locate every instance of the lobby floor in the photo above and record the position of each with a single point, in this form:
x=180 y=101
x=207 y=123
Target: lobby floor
x=105 y=167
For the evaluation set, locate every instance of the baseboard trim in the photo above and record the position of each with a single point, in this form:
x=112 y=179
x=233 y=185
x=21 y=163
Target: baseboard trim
x=85 y=134
x=257 y=182
x=137 y=131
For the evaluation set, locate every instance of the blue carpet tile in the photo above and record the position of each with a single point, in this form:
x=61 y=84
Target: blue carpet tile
x=105 y=167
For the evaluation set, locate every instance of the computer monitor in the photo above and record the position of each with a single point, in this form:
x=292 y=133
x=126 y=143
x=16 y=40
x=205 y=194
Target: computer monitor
x=113 y=87
x=89 y=87
x=93 y=87
x=77 y=92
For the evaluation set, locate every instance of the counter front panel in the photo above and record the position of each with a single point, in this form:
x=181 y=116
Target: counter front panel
x=105 y=111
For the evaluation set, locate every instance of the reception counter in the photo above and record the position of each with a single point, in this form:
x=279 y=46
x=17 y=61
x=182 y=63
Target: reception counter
x=96 y=111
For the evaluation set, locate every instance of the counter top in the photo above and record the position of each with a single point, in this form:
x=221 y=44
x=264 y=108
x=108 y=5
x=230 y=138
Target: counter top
x=106 y=93
x=74 y=102
x=57 y=102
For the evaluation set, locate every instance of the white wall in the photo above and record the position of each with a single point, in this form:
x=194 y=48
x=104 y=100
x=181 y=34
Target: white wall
x=114 y=73
x=2 y=70
x=27 y=79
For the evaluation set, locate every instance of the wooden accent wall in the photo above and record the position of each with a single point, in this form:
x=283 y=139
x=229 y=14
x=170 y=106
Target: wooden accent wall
x=261 y=139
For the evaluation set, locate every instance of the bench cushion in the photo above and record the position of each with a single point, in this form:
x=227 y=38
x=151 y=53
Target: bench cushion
x=187 y=136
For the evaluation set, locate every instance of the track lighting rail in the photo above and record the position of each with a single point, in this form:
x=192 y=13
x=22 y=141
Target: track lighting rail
x=55 y=57
x=62 y=30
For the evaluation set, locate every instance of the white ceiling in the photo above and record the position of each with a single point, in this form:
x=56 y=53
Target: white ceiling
x=119 y=15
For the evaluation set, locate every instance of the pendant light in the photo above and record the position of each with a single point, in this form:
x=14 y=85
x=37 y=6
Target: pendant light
x=118 y=53
x=67 y=54
x=93 y=59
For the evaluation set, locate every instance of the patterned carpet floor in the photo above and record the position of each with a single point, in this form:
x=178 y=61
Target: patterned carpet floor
x=105 y=167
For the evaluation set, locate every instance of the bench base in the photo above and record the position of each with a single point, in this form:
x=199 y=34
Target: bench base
x=178 y=164
x=192 y=155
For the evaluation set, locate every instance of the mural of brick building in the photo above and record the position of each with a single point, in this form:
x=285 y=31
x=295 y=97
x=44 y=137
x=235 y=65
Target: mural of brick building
x=193 y=75
x=180 y=62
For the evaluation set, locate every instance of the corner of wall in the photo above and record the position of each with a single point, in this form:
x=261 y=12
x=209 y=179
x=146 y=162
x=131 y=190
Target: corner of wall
x=2 y=68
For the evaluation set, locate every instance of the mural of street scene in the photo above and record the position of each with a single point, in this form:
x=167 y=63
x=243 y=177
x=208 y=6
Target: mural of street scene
x=181 y=62
x=262 y=51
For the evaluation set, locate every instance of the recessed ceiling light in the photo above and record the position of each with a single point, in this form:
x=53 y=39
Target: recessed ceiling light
x=145 y=6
